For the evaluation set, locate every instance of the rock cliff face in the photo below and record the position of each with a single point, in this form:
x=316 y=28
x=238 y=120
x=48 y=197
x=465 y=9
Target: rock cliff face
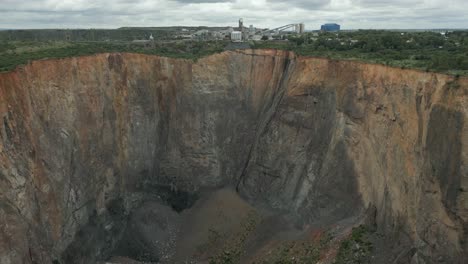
x=82 y=140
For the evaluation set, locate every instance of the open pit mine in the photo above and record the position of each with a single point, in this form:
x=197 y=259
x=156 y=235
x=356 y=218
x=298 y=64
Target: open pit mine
x=131 y=158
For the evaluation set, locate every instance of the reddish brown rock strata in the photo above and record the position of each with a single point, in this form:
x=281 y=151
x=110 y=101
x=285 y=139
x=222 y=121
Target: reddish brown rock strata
x=321 y=139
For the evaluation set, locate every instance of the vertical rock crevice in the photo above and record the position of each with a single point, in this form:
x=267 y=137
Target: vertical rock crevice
x=86 y=140
x=266 y=117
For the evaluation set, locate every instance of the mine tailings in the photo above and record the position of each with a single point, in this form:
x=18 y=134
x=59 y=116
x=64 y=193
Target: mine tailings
x=131 y=157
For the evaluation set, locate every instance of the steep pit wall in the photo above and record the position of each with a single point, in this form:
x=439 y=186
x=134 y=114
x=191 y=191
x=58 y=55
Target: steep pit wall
x=399 y=136
x=78 y=134
x=318 y=139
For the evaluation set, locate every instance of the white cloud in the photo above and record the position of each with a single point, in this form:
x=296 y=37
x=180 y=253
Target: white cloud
x=262 y=13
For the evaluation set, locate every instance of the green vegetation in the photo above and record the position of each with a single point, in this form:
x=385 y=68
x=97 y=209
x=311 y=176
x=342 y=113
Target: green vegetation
x=295 y=253
x=300 y=252
x=289 y=255
x=356 y=248
x=16 y=53
x=427 y=51
x=121 y=34
x=235 y=246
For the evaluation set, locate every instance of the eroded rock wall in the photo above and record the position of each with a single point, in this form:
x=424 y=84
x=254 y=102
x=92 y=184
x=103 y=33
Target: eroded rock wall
x=406 y=133
x=322 y=140
x=80 y=133
x=77 y=134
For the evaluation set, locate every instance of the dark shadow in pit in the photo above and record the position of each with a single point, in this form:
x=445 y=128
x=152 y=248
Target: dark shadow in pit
x=178 y=200
x=444 y=145
x=98 y=237
x=150 y=234
x=152 y=228
x=143 y=230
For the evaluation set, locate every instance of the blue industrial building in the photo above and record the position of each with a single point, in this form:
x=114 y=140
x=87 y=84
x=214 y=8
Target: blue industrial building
x=330 y=27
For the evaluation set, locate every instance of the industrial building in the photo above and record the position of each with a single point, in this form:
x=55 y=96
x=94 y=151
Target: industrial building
x=236 y=36
x=280 y=31
x=299 y=28
x=330 y=27
x=243 y=33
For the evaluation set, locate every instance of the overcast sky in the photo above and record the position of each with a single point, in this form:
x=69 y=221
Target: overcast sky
x=351 y=14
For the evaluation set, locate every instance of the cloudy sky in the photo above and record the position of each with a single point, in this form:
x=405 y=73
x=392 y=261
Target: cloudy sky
x=351 y=14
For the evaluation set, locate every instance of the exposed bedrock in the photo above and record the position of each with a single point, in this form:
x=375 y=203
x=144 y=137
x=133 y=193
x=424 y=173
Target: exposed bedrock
x=84 y=141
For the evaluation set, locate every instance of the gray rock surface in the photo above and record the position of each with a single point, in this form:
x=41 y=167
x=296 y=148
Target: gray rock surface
x=84 y=140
